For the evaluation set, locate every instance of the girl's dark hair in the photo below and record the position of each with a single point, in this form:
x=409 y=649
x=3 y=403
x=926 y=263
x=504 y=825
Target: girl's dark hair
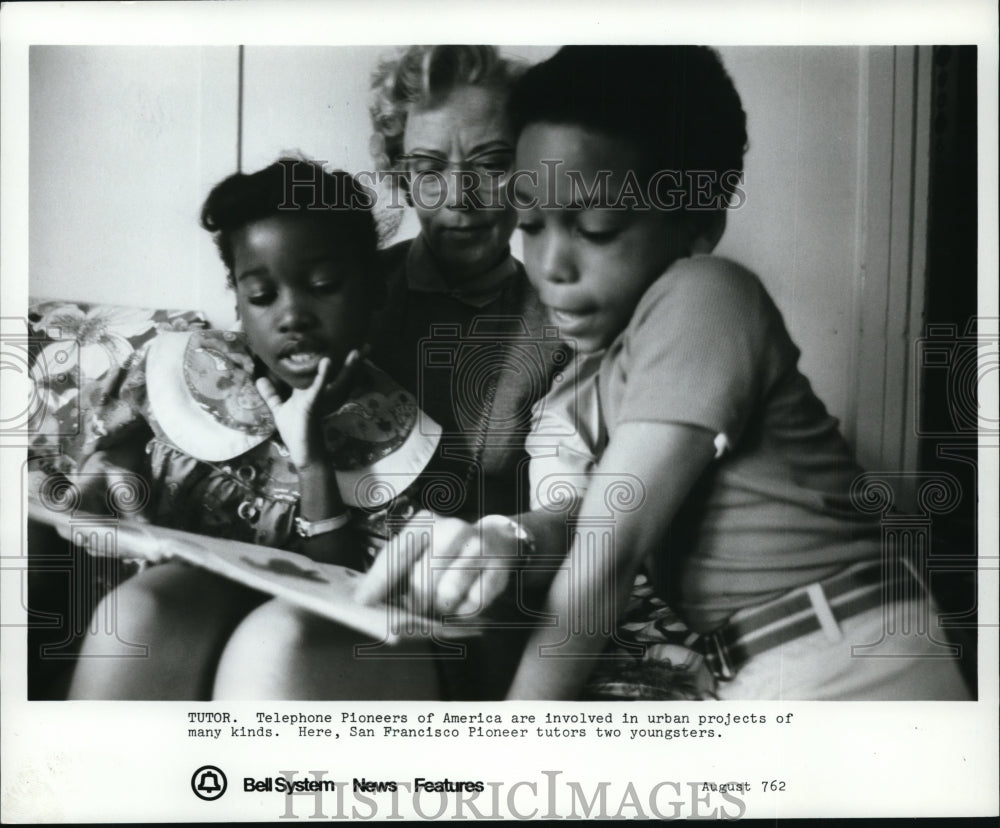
x=289 y=186
x=676 y=104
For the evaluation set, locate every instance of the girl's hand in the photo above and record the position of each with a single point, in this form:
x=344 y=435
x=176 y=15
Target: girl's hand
x=133 y=540
x=298 y=417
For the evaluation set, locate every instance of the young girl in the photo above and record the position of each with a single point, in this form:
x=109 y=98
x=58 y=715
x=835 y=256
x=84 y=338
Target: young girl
x=719 y=475
x=463 y=330
x=280 y=435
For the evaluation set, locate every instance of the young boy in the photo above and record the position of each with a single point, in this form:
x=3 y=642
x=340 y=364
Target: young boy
x=736 y=479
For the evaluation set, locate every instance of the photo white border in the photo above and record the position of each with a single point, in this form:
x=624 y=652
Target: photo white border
x=74 y=761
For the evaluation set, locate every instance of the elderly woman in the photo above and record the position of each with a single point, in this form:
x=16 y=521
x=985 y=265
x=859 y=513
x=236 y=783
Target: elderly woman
x=463 y=330
x=463 y=327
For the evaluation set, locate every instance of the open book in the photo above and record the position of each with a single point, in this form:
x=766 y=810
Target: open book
x=325 y=589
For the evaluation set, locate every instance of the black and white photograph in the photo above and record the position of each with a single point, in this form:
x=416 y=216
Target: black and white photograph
x=417 y=422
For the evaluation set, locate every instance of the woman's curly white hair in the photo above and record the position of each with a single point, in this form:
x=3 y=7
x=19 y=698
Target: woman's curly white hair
x=425 y=76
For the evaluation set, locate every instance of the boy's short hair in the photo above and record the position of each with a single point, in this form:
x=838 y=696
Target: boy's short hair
x=676 y=104
x=424 y=76
x=286 y=187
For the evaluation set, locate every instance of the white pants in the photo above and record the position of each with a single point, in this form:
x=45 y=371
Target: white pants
x=881 y=654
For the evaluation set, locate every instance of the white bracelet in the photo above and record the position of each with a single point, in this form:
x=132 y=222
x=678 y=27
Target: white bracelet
x=312 y=528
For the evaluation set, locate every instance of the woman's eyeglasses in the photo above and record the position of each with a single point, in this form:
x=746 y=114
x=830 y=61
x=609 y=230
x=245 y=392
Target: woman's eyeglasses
x=487 y=171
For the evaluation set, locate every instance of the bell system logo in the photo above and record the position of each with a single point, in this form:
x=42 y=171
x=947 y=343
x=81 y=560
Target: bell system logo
x=208 y=783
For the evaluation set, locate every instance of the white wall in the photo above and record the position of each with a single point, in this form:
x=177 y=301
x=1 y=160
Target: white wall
x=799 y=226
x=327 y=115
x=126 y=143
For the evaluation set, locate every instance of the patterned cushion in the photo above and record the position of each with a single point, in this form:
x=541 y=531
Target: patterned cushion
x=72 y=346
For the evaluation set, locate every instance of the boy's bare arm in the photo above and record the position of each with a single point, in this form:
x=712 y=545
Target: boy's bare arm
x=667 y=459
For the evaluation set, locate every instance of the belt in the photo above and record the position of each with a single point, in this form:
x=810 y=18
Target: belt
x=849 y=592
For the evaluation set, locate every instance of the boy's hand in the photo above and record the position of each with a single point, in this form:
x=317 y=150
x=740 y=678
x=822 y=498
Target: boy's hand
x=298 y=417
x=439 y=565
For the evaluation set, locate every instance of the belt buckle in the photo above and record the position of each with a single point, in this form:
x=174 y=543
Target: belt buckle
x=717 y=657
